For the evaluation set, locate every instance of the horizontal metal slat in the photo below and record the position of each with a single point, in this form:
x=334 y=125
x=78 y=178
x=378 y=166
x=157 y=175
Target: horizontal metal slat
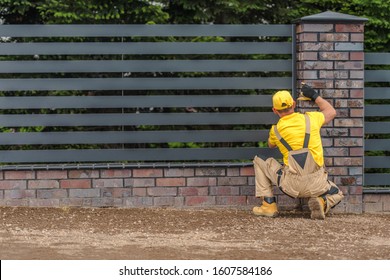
x=144 y=83
x=127 y=137
x=136 y=119
x=376 y=162
x=112 y=155
x=377 y=75
x=158 y=101
x=376 y=179
x=377 y=110
x=145 y=48
x=377 y=93
x=377 y=145
x=377 y=127
x=376 y=191
x=124 y=30
x=107 y=66
x=377 y=58
x=122 y=165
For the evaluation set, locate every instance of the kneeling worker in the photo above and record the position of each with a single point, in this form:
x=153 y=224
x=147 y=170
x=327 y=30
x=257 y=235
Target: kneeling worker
x=303 y=174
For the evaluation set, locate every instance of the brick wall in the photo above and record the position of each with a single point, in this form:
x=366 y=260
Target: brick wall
x=139 y=187
x=330 y=57
x=147 y=187
x=376 y=203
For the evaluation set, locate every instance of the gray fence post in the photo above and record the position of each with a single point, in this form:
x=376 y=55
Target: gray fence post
x=330 y=57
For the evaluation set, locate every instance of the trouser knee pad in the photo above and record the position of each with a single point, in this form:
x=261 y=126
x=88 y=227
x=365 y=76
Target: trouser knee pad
x=332 y=191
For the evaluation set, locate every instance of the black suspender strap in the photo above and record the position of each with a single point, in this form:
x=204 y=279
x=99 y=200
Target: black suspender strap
x=281 y=139
x=307 y=132
x=305 y=141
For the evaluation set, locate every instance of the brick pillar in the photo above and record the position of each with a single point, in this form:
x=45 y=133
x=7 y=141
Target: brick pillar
x=330 y=58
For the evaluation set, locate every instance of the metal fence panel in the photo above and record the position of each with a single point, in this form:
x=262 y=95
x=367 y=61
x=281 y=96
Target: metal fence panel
x=155 y=48
x=90 y=66
x=376 y=179
x=376 y=162
x=166 y=101
x=377 y=125
x=143 y=83
x=136 y=119
x=377 y=92
x=125 y=30
x=117 y=93
x=115 y=155
x=130 y=137
x=377 y=111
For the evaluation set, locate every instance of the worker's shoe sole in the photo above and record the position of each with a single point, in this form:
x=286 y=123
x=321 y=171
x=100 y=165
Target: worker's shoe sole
x=317 y=205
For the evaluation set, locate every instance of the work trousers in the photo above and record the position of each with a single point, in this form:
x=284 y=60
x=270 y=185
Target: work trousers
x=270 y=172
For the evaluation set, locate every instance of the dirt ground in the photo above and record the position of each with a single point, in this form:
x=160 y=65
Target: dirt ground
x=174 y=234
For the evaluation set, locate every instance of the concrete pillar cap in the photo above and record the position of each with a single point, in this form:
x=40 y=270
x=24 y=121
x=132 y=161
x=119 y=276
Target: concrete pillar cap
x=330 y=16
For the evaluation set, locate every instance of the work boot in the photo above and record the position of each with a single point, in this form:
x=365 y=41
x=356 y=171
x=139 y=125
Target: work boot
x=267 y=209
x=317 y=207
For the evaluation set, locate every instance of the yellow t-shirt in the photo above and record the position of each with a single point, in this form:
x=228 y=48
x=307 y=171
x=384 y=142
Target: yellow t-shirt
x=292 y=129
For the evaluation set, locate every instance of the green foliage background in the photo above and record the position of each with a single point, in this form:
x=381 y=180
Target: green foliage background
x=377 y=32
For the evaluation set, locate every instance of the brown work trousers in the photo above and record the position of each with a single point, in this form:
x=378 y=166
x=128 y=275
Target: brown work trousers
x=311 y=185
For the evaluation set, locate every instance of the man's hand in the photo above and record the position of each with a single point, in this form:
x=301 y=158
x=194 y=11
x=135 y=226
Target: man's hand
x=309 y=92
